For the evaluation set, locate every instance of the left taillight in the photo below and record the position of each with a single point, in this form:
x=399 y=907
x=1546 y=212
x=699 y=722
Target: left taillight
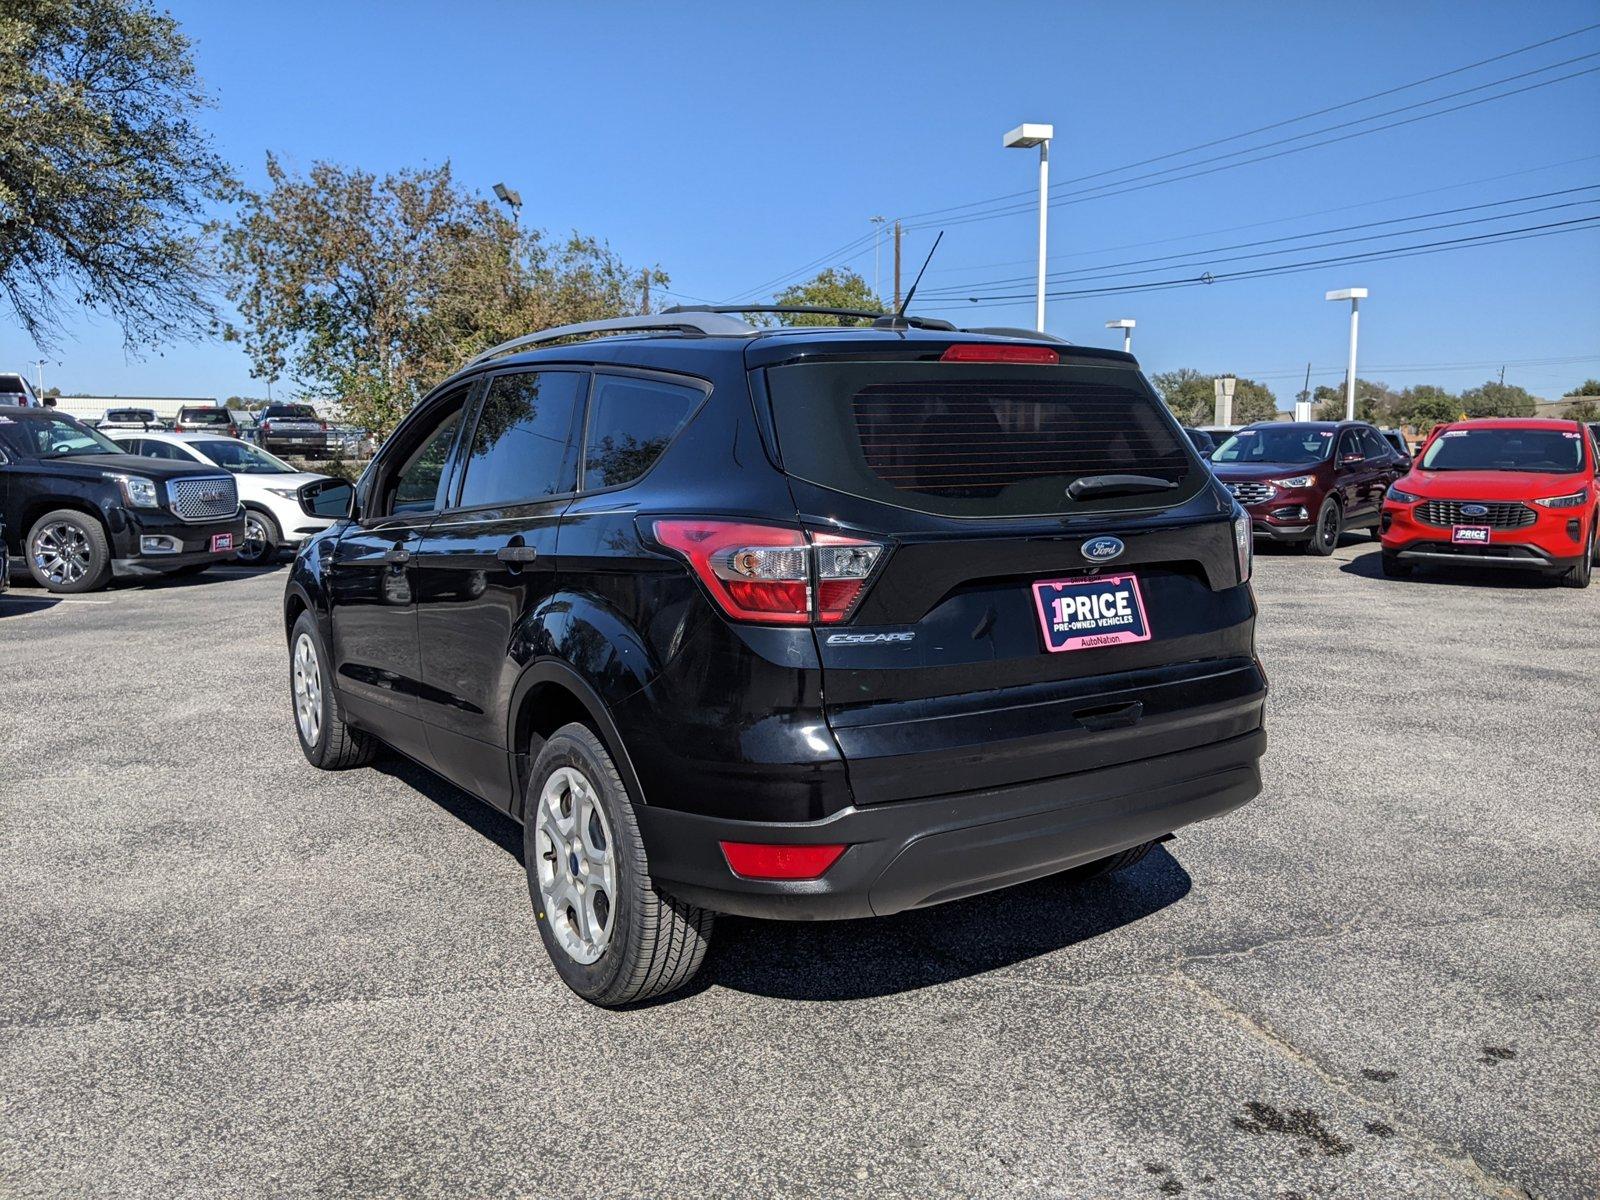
x=773 y=574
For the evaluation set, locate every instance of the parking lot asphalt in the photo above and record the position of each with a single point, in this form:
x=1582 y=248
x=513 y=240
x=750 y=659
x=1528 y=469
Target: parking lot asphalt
x=224 y=973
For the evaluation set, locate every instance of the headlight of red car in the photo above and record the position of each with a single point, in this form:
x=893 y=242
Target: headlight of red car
x=1400 y=497
x=1575 y=499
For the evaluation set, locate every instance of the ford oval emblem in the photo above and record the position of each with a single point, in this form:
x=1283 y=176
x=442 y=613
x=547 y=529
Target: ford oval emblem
x=1474 y=510
x=1102 y=549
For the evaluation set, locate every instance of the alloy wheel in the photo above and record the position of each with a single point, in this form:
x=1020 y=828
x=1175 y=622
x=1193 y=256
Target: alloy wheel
x=254 y=547
x=307 y=689
x=62 y=552
x=577 y=865
x=1328 y=530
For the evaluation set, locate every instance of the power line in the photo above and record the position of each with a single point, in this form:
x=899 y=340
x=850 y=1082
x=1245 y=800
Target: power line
x=1575 y=225
x=1099 y=192
x=865 y=239
x=1267 y=128
x=1204 y=257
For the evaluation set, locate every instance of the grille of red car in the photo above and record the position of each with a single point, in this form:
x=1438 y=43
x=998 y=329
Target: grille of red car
x=1445 y=513
x=1252 y=493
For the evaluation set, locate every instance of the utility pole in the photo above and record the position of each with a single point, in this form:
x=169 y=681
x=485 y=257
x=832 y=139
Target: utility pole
x=647 y=290
x=897 y=266
x=877 y=254
x=1502 y=374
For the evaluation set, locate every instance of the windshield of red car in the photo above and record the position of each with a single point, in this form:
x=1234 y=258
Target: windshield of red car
x=1547 y=451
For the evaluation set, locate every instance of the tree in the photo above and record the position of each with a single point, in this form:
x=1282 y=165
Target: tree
x=371 y=290
x=1188 y=394
x=1584 y=410
x=104 y=173
x=836 y=287
x=1589 y=387
x=1425 y=406
x=1374 y=401
x=1252 y=402
x=1496 y=399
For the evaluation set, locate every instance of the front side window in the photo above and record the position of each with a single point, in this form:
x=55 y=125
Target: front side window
x=1372 y=442
x=522 y=444
x=630 y=423
x=241 y=458
x=419 y=481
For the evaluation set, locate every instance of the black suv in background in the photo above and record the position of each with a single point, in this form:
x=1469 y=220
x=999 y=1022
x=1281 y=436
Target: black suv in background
x=796 y=623
x=295 y=429
x=79 y=509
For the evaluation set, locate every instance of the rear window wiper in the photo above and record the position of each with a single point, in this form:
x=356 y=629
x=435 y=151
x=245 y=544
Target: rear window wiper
x=1090 y=486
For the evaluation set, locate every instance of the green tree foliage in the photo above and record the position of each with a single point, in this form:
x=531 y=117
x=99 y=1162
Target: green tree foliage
x=1496 y=399
x=1425 y=406
x=371 y=290
x=1584 y=410
x=104 y=173
x=1374 y=401
x=836 y=287
x=1192 y=397
x=1589 y=387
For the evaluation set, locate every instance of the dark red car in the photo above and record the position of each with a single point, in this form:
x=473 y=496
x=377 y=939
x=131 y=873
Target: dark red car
x=1498 y=492
x=1306 y=482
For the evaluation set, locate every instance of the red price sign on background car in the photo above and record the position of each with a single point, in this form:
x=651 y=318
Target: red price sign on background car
x=1080 y=614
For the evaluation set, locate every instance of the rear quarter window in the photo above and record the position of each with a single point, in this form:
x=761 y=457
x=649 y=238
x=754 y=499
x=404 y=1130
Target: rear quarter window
x=631 y=421
x=976 y=440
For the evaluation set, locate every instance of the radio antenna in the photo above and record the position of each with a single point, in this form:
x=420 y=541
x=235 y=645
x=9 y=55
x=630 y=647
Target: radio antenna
x=900 y=314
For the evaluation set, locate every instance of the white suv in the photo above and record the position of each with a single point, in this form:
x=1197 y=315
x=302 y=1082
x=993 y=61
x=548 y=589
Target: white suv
x=279 y=502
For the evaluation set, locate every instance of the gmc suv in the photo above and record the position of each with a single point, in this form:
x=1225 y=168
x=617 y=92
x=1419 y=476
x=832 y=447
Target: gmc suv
x=799 y=623
x=80 y=509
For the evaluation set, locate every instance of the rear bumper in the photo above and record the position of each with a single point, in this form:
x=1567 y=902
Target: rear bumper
x=916 y=853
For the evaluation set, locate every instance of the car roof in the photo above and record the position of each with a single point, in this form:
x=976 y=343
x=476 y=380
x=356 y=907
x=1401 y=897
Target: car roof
x=1513 y=423
x=166 y=435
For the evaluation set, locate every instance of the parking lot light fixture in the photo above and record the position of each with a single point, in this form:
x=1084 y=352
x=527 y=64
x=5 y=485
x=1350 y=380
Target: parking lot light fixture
x=511 y=198
x=1125 y=324
x=1025 y=137
x=1355 y=296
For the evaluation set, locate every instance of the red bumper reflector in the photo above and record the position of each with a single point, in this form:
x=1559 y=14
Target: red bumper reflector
x=1000 y=353
x=756 y=860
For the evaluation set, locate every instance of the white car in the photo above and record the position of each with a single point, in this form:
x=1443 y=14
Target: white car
x=280 y=503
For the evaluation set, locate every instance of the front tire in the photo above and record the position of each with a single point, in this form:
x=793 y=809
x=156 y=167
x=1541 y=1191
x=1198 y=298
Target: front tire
x=326 y=741
x=1582 y=573
x=262 y=538
x=1330 y=524
x=613 y=937
x=68 y=552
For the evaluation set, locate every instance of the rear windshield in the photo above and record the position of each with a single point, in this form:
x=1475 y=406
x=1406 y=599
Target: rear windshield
x=976 y=440
x=204 y=416
x=291 y=412
x=1550 y=451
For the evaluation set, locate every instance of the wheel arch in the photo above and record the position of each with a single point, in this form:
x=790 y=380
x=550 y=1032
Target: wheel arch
x=548 y=694
x=40 y=505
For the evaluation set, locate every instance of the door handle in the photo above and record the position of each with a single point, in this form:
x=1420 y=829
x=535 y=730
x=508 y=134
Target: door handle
x=398 y=556
x=517 y=555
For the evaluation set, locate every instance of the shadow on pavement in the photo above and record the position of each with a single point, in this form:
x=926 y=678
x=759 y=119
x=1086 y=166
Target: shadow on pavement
x=15 y=604
x=488 y=822
x=853 y=960
x=1370 y=566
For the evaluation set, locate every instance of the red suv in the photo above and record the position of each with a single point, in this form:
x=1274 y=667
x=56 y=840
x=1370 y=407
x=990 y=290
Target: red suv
x=1306 y=482
x=1499 y=492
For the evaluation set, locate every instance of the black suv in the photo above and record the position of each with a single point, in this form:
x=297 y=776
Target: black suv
x=80 y=509
x=800 y=623
x=295 y=429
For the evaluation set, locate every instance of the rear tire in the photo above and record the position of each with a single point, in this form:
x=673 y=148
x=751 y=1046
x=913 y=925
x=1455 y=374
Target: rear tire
x=1324 y=537
x=1112 y=863
x=326 y=741
x=1394 y=567
x=68 y=552
x=580 y=842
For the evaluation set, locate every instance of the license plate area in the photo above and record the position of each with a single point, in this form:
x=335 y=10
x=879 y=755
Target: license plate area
x=1470 y=535
x=1087 y=613
x=221 y=542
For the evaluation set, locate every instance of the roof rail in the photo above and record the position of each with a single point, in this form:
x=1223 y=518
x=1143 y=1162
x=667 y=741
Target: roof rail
x=704 y=324
x=1034 y=335
x=819 y=310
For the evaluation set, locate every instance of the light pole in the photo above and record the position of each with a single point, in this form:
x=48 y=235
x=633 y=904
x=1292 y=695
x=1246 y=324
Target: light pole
x=1125 y=324
x=1025 y=137
x=511 y=199
x=1355 y=296
x=877 y=247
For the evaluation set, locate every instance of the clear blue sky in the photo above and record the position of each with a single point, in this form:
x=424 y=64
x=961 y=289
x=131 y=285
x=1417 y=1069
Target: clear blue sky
x=733 y=143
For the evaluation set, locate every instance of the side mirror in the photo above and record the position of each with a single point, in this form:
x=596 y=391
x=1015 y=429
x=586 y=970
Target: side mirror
x=336 y=498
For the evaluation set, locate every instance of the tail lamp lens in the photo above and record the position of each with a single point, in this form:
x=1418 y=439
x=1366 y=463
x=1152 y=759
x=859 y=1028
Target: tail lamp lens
x=755 y=860
x=1243 y=544
x=764 y=573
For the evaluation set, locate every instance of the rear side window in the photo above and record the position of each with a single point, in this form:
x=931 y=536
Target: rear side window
x=522 y=445
x=630 y=423
x=976 y=440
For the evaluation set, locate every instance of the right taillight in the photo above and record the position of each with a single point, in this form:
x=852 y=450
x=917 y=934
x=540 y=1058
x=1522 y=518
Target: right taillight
x=766 y=573
x=1243 y=543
